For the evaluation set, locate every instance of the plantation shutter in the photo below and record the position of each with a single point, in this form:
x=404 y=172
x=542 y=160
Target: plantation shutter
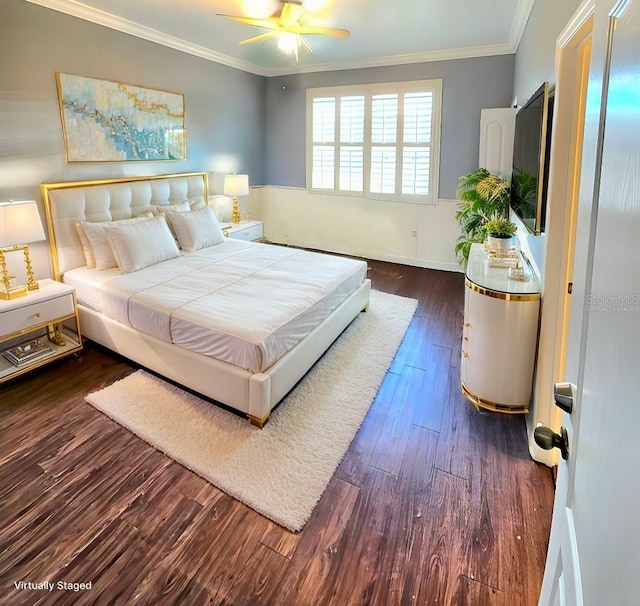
x=384 y=134
x=378 y=140
x=351 y=143
x=416 y=151
x=324 y=138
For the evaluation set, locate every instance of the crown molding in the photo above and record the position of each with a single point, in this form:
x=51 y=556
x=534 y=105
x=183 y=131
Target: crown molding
x=426 y=57
x=99 y=17
x=519 y=23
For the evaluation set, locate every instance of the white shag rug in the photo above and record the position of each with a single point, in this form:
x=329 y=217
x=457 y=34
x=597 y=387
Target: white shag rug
x=281 y=470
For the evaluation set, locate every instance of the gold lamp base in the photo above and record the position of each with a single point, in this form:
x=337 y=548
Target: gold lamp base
x=13 y=293
x=235 y=217
x=7 y=291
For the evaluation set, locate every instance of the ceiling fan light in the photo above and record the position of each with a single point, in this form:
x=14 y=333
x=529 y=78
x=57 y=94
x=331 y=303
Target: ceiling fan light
x=314 y=5
x=288 y=42
x=260 y=9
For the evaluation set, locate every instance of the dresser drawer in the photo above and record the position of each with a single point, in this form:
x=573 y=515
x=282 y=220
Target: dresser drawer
x=39 y=312
x=250 y=233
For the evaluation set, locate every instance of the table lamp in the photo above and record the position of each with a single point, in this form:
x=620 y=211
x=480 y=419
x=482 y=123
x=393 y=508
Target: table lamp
x=236 y=185
x=19 y=224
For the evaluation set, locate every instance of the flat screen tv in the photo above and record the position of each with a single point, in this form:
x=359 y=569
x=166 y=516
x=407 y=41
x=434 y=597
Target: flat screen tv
x=531 y=160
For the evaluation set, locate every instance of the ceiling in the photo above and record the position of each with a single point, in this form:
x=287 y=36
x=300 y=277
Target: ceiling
x=383 y=32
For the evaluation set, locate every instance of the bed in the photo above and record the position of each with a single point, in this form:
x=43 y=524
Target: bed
x=238 y=322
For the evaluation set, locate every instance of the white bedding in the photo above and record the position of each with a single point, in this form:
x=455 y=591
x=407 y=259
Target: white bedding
x=88 y=284
x=241 y=302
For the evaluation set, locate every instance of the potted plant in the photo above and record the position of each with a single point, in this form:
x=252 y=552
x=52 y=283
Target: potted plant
x=482 y=196
x=499 y=232
x=524 y=189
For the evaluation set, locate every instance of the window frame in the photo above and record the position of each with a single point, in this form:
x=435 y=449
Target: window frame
x=369 y=91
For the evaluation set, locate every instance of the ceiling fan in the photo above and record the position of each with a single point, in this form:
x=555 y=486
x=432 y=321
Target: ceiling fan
x=287 y=28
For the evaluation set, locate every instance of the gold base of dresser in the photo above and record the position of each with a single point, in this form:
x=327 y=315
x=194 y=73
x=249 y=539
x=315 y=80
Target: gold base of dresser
x=481 y=403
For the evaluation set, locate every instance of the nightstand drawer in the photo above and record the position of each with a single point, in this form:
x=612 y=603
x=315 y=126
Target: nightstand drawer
x=250 y=233
x=39 y=312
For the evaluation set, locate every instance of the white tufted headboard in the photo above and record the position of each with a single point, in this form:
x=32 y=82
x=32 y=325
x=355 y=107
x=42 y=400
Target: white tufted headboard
x=106 y=200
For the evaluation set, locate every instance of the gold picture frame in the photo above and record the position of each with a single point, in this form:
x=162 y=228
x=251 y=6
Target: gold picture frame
x=108 y=121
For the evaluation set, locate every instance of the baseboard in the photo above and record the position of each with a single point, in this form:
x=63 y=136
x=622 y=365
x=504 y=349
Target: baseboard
x=427 y=264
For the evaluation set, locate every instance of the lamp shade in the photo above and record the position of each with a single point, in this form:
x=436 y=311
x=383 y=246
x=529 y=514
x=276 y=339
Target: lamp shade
x=20 y=223
x=236 y=185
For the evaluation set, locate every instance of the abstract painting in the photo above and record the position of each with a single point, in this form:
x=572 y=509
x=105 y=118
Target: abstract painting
x=105 y=121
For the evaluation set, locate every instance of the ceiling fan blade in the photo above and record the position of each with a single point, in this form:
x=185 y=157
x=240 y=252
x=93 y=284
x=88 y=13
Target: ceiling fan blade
x=291 y=13
x=310 y=30
x=287 y=22
x=270 y=23
x=257 y=38
x=306 y=45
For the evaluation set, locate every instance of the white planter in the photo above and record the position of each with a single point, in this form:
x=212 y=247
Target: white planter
x=500 y=244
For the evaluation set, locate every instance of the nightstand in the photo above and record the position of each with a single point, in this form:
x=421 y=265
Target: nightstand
x=47 y=318
x=251 y=231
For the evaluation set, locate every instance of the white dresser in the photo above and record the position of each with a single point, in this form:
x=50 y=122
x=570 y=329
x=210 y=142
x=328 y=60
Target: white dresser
x=500 y=335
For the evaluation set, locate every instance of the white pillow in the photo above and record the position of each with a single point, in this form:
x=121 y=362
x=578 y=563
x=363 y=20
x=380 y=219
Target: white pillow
x=89 y=257
x=197 y=229
x=138 y=245
x=196 y=204
x=178 y=207
x=96 y=248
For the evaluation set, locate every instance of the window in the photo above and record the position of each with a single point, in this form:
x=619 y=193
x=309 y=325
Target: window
x=380 y=140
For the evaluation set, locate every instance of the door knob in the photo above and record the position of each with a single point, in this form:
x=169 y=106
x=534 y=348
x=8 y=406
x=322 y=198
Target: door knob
x=563 y=395
x=548 y=439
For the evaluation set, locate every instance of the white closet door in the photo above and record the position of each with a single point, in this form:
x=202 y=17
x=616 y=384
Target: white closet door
x=497 y=127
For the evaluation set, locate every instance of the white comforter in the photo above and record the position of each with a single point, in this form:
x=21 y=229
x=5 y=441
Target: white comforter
x=241 y=302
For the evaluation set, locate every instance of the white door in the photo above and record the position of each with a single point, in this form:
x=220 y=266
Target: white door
x=594 y=548
x=497 y=128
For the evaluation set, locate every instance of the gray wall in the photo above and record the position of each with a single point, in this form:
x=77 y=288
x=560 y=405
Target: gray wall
x=224 y=107
x=535 y=64
x=535 y=59
x=469 y=85
x=232 y=123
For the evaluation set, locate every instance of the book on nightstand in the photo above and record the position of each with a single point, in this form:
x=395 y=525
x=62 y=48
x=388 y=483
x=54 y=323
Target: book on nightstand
x=27 y=352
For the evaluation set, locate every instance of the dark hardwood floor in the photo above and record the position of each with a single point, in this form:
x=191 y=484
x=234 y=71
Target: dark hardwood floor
x=434 y=503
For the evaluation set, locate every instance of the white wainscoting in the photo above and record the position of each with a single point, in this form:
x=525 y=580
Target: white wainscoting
x=411 y=234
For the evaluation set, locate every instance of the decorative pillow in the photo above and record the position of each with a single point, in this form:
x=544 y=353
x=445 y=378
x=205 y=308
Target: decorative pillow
x=145 y=211
x=96 y=248
x=197 y=204
x=138 y=245
x=197 y=229
x=89 y=257
x=178 y=207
